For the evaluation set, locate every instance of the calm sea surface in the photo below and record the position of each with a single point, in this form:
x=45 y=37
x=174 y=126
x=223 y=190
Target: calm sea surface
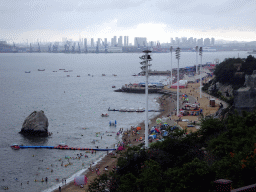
x=73 y=106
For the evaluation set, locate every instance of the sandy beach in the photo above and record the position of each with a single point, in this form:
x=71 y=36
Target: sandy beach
x=168 y=104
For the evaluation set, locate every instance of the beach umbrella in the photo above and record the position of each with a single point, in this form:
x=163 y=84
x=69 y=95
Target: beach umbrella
x=158 y=120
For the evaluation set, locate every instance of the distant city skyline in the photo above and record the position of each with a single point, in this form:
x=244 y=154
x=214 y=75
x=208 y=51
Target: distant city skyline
x=157 y=20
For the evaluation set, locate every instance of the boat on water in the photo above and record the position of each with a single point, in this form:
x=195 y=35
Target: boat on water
x=63 y=145
x=70 y=70
x=103 y=75
x=41 y=69
x=54 y=71
x=113 y=86
x=140 y=110
x=89 y=74
x=112 y=109
x=65 y=71
x=252 y=52
x=104 y=115
x=27 y=71
x=78 y=75
x=114 y=75
x=131 y=110
x=61 y=69
x=68 y=75
x=123 y=109
x=15 y=146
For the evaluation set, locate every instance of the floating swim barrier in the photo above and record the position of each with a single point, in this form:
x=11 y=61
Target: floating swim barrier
x=65 y=148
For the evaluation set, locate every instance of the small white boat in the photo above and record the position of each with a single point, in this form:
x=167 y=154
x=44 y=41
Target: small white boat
x=123 y=109
x=131 y=110
x=140 y=109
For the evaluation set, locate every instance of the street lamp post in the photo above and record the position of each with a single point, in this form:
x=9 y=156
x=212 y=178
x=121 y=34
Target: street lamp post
x=178 y=79
x=171 y=64
x=196 y=59
x=201 y=55
x=145 y=64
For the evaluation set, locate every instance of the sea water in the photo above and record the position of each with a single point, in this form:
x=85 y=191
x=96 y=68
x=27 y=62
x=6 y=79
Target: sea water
x=73 y=106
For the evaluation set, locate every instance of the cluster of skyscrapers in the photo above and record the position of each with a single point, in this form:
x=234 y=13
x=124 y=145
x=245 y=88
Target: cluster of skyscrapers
x=142 y=42
x=188 y=42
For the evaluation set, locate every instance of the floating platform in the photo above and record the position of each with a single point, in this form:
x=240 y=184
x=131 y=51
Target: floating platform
x=64 y=148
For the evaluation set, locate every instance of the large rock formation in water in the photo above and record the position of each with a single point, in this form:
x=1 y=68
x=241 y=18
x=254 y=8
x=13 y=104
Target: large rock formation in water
x=36 y=124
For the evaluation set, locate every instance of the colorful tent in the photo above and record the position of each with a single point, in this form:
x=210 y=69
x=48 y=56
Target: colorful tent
x=80 y=180
x=120 y=148
x=138 y=128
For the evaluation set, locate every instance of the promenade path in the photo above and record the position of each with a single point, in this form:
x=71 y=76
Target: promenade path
x=193 y=93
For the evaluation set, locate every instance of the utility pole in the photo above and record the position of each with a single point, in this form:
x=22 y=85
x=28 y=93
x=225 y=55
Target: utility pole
x=171 y=64
x=178 y=79
x=201 y=54
x=196 y=59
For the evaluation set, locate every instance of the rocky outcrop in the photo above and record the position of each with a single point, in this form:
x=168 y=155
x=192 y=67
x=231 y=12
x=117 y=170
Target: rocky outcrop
x=245 y=97
x=36 y=124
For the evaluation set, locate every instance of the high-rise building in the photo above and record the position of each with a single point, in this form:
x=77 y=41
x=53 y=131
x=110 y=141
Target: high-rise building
x=172 y=41
x=190 y=41
x=120 y=41
x=207 y=42
x=184 y=40
x=92 y=42
x=212 y=41
x=200 y=42
x=64 y=39
x=140 y=41
x=177 y=40
x=105 y=41
x=114 y=41
x=125 y=40
x=85 y=42
x=98 y=42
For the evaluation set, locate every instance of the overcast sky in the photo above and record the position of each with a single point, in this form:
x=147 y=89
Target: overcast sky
x=158 y=20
